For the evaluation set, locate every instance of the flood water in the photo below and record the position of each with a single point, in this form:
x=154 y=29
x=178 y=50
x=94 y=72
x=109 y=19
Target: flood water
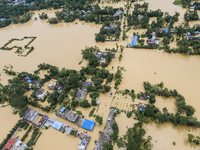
x=61 y=45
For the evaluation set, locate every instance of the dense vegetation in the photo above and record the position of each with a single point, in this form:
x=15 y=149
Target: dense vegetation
x=19 y=48
x=13 y=93
x=183 y=116
x=43 y=16
x=20 y=13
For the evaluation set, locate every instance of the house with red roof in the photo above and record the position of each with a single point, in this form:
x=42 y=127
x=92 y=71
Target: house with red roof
x=9 y=144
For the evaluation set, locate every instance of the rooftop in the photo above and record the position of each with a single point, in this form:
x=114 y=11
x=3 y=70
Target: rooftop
x=106 y=134
x=30 y=115
x=42 y=121
x=9 y=144
x=19 y=145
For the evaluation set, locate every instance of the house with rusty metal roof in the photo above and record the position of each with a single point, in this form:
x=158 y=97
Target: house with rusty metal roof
x=42 y=121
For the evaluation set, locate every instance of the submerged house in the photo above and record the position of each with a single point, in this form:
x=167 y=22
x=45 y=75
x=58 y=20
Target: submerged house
x=19 y=145
x=49 y=122
x=140 y=17
x=30 y=115
x=143 y=97
x=165 y=29
x=9 y=144
x=118 y=13
x=42 y=121
x=57 y=125
x=100 y=55
x=30 y=80
x=75 y=118
x=152 y=42
x=81 y=94
x=51 y=85
x=41 y=93
x=59 y=88
x=140 y=106
x=108 y=130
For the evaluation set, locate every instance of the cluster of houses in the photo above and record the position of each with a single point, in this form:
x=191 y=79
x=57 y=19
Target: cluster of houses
x=23 y=2
x=41 y=93
x=102 y=56
x=141 y=106
x=108 y=130
x=30 y=80
x=31 y=115
x=75 y=118
x=15 y=144
x=118 y=13
x=193 y=6
x=82 y=145
x=190 y=36
x=153 y=40
x=54 y=84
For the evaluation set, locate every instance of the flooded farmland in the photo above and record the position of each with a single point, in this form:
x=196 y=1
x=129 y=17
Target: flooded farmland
x=60 y=45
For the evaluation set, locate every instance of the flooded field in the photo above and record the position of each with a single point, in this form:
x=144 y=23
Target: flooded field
x=8 y=120
x=60 y=45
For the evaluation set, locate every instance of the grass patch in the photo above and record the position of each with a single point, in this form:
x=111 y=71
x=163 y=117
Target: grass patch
x=38 y=137
x=91 y=112
x=177 y=2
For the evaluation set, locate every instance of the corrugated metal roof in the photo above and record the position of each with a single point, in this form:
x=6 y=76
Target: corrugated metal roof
x=57 y=125
x=88 y=124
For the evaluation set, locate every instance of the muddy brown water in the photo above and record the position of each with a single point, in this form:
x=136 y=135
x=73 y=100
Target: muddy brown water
x=61 y=45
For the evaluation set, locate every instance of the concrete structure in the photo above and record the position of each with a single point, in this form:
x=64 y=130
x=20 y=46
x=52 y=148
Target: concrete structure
x=49 y=122
x=75 y=118
x=30 y=115
x=106 y=134
x=51 y=85
x=82 y=145
x=81 y=94
x=41 y=93
x=100 y=55
x=19 y=145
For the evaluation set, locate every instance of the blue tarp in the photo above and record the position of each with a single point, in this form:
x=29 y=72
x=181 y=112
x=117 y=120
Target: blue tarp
x=128 y=44
x=89 y=83
x=89 y=125
x=62 y=109
x=134 y=40
x=167 y=30
x=196 y=32
x=57 y=125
